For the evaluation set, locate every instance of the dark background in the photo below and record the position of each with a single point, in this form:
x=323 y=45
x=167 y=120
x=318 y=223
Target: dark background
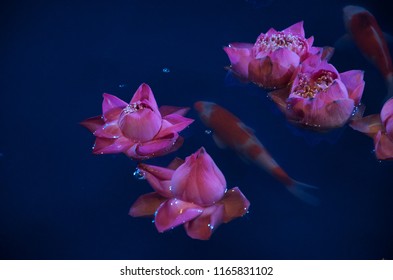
x=58 y=201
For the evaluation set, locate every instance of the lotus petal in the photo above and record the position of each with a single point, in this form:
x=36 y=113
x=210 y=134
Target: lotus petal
x=108 y=130
x=295 y=29
x=275 y=70
x=235 y=204
x=167 y=110
x=203 y=226
x=383 y=146
x=369 y=125
x=112 y=106
x=146 y=205
x=353 y=81
x=158 y=177
x=157 y=146
x=173 y=123
x=175 y=163
x=199 y=180
x=335 y=91
x=111 y=145
x=387 y=111
x=279 y=96
x=175 y=212
x=239 y=58
x=144 y=93
x=94 y=123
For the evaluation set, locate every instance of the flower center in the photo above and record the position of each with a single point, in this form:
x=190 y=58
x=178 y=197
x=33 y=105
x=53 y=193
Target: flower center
x=134 y=107
x=139 y=122
x=308 y=87
x=280 y=40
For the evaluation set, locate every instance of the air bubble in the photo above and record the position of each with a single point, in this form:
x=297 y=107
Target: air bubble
x=138 y=174
x=166 y=70
x=208 y=131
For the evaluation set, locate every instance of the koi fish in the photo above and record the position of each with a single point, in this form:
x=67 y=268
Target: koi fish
x=367 y=35
x=230 y=131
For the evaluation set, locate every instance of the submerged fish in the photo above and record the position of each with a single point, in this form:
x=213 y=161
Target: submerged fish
x=232 y=132
x=367 y=35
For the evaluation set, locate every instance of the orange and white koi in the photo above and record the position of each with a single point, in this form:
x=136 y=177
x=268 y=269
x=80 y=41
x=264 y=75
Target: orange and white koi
x=367 y=35
x=230 y=131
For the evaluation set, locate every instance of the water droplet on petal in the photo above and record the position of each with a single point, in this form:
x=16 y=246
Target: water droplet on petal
x=138 y=174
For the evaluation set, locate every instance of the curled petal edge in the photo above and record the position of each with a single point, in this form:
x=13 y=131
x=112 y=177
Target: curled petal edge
x=175 y=212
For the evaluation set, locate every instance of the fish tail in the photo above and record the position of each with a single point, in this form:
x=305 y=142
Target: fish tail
x=298 y=189
x=301 y=191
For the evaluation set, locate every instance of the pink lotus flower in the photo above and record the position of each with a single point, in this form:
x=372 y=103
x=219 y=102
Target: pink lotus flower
x=272 y=60
x=380 y=128
x=320 y=98
x=192 y=193
x=139 y=129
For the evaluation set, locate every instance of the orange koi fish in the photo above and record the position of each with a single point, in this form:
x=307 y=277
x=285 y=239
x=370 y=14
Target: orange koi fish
x=367 y=35
x=232 y=132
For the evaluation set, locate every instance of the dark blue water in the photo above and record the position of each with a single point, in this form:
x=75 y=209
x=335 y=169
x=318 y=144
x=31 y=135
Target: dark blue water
x=58 y=201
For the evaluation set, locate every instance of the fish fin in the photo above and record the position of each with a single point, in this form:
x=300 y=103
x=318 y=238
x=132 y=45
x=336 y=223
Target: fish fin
x=243 y=158
x=388 y=38
x=300 y=190
x=345 y=42
x=327 y=53
x=219 y=142
x=247 y=128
